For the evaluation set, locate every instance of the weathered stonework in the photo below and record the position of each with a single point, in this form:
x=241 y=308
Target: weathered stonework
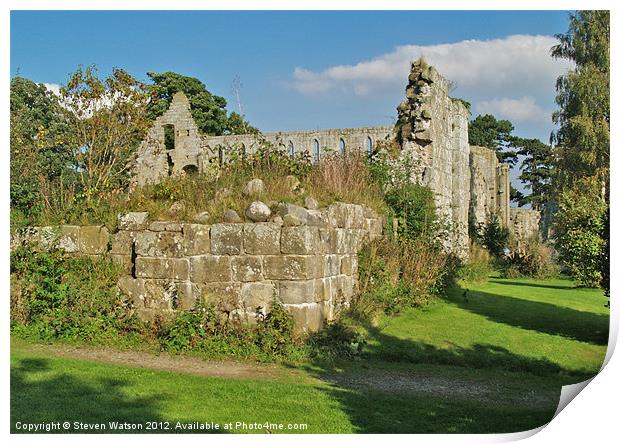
x=311 y=269
x=524 y=223
x=432 y=131
x=490 y=187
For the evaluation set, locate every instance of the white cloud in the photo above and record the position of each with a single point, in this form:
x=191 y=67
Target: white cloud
x=524 y=109
x=53 y=87
x=519 y=64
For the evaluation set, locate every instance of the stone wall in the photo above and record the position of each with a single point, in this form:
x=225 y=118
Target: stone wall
x=524 y=223
x=194 y=152
x=315 y=143
x=432 y=131
x=155 y=161
x=490 y=187
x=307 y=259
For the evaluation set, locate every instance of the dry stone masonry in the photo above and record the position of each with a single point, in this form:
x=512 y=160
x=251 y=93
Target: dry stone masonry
x=308 y=262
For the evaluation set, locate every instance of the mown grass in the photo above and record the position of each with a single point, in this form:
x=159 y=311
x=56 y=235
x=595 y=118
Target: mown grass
x=507 y=346
x=540 y=327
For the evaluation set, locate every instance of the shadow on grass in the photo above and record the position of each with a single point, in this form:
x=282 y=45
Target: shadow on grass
x=376 y=410
x=539 y=316
x=37 y=398
x=540 y=284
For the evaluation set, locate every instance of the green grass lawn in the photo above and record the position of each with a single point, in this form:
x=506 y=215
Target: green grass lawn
x=491 y=361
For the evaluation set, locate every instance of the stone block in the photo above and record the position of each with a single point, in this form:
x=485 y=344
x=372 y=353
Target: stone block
x=291 y=267
x=299 y=240
x=122 y=242
x=322 y=289
x=348 y=264
x=261 y=238
x=169 y=244
x=133 y=221
x=133 y=289
x=165 y=226
x=332 y=265
x=146 y=243
x=196 y=239
x=307 y=317
x=255 y=295
x=327 y=241
x=69 y=238
x=296 y=292
x=210 y=268
x=186 y=296
x=247 y=268
x=227 y=239
x=162 y=268
x=225 y=296
x=345 y=242
x=296 y=213
x=318 y=218
x=94 y=239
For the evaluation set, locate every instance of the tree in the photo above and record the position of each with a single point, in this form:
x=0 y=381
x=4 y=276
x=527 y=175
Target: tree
x=536 y=170
x=39 y=156
x=579 y=225
x=582 y=151
x=583 y=99
x=208 y=110
x=107 y=121
x=495 y=134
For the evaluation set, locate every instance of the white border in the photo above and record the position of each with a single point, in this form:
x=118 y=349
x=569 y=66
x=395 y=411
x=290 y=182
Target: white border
x=592 y=417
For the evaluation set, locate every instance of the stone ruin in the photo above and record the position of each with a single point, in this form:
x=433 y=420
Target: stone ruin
x=308 y=260
x=469 y=183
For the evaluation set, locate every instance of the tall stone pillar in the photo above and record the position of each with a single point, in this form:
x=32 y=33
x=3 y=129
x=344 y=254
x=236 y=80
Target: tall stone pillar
x=503 y=194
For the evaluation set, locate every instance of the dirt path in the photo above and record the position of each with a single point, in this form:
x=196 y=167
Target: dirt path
x=368 y=379
x=164 y=361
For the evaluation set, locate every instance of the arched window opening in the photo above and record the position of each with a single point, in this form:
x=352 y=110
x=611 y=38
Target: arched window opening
x=342 y=147
x=291 y=149
x=369 y=146
x=317 y=153
x=169 y=137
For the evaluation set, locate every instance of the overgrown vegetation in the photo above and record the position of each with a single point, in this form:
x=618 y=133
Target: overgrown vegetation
x=59 y=297
x=530 y=258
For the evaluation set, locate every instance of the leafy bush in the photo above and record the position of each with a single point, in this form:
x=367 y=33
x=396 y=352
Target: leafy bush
x=58 y=296
x=478 y=266
x=579 y=225
x=336 y=340
x=395 y=275
x=274 y=334
x=531 y=258
x=494 y=237
x=414 y=207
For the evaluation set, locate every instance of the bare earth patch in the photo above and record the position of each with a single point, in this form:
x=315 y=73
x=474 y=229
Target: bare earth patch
x=371 y=379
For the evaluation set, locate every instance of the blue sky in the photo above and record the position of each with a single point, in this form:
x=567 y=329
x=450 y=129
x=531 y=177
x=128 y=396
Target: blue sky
x=305 y=70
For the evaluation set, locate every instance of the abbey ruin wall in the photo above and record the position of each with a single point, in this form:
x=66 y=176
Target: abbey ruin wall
x=432 y=131
x=489 y=188
x=308 y=262
x=524 y=223
x=313 y=143
x=469 y=183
